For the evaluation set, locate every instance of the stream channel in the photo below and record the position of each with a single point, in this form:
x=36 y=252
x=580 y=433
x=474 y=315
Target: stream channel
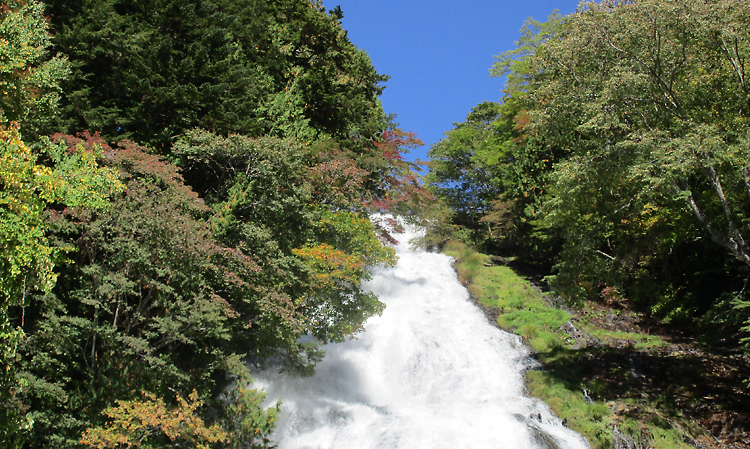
x=431 y=372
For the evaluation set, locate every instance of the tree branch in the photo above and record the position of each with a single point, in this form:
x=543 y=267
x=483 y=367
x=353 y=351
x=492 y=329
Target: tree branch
x=746 y=179
x=736 y=236
x=736 y=63
x=665 y=88
x=716 y=236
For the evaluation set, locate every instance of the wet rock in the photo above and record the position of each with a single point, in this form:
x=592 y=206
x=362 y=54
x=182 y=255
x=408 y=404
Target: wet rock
x=623 y=441
x=586 y=397
x=543 y=440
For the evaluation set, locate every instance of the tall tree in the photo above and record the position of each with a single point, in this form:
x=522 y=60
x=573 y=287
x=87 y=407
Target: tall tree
x=152 y=70
x=492 y=171
x=30 y=180
x=29 y=78
x=650 y=99
x=465 y=165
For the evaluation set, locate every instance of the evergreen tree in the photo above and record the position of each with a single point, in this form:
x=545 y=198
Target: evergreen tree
x=151 y=70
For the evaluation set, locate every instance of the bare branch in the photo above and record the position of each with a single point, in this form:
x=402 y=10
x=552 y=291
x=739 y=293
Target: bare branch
x=717 y=236
x=736 y=236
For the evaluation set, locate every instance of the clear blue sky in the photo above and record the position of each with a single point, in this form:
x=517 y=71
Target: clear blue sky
x=438 y=53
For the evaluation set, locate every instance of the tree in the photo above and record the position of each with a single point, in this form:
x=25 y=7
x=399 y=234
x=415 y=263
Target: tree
x=494 y=174
x=27 y=257
x=29 y=79
x=492 y=170
x=153 y=70
x=171 y=285
x=396 y=187
x=168 y=293
x=312 y=255
x=621 y=145
x=466 y=164
x=649 y=99
x=148 y=301
x=32 y=179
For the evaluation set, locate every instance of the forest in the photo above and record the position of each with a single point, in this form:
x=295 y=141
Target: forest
x=616 y=163
x=185 y=190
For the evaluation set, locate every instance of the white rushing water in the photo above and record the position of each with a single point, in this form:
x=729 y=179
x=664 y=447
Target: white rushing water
x=431 y=372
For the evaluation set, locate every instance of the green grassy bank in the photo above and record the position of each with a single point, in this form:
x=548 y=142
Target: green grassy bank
x=611 y=381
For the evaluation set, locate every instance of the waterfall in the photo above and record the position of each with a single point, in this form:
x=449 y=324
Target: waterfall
x=430 y=373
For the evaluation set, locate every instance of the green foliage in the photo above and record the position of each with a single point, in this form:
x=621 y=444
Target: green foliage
x=130 y=278
x=493 y=174
x=438 y=226
x=515 y=64
x=248 y=424
x=263 y=203
x=152 y=71
x=73 y=180
x=589 y=387
x=142 y=305
x=149 y=301
x=620 y=156
x=336 y=306
x=27 y=257
x=29 y=80
x=262 y=200
x=464 y=166
x=29 y=88
x=640 y=168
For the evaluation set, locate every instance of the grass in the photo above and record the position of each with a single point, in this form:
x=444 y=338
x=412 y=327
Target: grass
x=592 y=388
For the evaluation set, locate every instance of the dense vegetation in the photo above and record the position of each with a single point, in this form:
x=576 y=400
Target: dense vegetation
x=185 y=188
x=617 y=160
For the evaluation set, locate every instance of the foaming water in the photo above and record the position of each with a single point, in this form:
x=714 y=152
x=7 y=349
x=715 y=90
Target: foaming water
x=431 y=372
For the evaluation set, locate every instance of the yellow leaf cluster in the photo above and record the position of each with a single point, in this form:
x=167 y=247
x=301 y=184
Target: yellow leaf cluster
x=133 y=423
x=331 y=266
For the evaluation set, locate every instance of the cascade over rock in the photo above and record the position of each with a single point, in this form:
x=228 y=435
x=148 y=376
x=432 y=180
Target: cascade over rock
x=431 y=372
